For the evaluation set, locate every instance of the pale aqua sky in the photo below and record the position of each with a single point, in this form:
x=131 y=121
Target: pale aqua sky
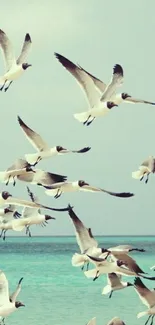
x=97 y=35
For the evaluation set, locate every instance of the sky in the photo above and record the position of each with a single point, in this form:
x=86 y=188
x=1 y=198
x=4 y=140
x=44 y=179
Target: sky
x=97 y=35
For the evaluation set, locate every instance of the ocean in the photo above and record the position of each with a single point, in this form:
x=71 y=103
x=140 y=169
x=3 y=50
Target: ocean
x=55 y=292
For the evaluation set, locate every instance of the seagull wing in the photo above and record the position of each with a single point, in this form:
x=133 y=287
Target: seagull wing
x=114 y=279
x=47 y=178
x=15 y=294
x=92 y=321
x=7 y=49
x=18 y=164
x=116 y=321
x=97 y=189
x=129 y=261
x=146 y=295
x=100 y=85
x=25 y=49
x=84 y=236
x=29 y=212
x=135 y=101
x=4 y=289
x=83 y=78
x=121 y=248
x=116 y=81
x=33 y=137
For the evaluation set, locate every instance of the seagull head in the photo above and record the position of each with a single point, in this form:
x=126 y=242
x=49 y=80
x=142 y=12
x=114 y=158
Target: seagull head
x=129 y=284
x=19 y=304
x=82 y=183
x=125 y=95
x=26 y=65
x=104 y=250
x=60 y=149
x=111 y=104
x=48 y=217
x=29 y=169
x=5 y=195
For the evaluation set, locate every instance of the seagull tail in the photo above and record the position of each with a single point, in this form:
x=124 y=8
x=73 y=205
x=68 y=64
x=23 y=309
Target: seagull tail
x=32 y=158
x=143 y=313
x=106 y=289
x=90 y=273
x=82 y=117
x=17 y=226
x=78 y=259
x=138 y=174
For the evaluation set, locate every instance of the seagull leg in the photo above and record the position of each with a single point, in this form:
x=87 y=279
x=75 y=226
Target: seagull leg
x=147 y=178
x=88 y=123
x=141 y=178
x=82 y=268
x=1 y=233
x=3 y=321
x=111 y=294
x=14 y=182
x=58 y=194
x=8 y=180
x=87 y=120
x=87 y=266
x=8 y=85
x=4 y=234
x=3 y=85
x=148 y=320
x=29 y=232
x=96 y=277
x=152 y=320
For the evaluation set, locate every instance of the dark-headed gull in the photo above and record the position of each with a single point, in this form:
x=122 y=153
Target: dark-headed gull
x=6 y=198
x=7 y=215
x=98 y=93
x=116 y=321
x=14 y=68
x=57 y=189
x=6 y=306
x=30 y=216
x=44 y=151
x=114 y=283
x=147 y=297
x=22 y=171
x=145 y=169
x=99 y=104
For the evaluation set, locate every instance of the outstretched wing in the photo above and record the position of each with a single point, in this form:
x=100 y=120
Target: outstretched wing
x=117 y=80
x=25 y=49
x=7 y=50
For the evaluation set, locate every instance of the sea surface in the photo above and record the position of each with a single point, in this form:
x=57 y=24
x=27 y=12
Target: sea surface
x=55 y=292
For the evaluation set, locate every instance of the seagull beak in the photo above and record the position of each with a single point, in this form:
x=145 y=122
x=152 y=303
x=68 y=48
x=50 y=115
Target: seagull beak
x=64 y=151
x=29 y=65
x=22 y=304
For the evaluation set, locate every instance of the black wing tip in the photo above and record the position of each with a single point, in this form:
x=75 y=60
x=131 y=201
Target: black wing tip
x=20 y=120
x=118 y=69
x=64 y=61
x=126 y=194
x=85 y=149
x=2 y=32
x=21 y=279
x=137 y=281
x=28 y=38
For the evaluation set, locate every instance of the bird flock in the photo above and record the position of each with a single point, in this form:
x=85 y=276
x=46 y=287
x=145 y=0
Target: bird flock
x=114 y=262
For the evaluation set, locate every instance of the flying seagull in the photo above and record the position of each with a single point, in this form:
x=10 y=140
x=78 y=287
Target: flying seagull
x=146 y=168
x=114 y=283
x=14 y=295
x=147 y=297
x=30 y=216
x=85 y=241
x=7 y=215
x=6 y=198
x=22 y=171
x=99 y=103
x=14 y=68
x=44 y=151
x=57 y=189
x=7 y=306
x=97 y=92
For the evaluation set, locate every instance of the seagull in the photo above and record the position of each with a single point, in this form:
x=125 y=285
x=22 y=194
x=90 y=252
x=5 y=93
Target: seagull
x=152 y=268
x=147 y=297
x=57 y=189
x=85 y=241
x=7 y=215
x=116 y=321
x=6 y=198
x=118 y=266
x=14 y=68
x=97 y=92
x=114 y=283
x=145 y=169
x=6 y=306
x=99 y=103
x=30 y=216
x=44 y=151
x=125 y=249
x=22 y=171
x=14 y=295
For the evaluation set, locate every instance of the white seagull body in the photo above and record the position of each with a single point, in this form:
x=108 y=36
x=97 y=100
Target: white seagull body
x=14 y=68
x=146 y=168
x=114 y=283
x=57 y=189
x=6 y=306
x=147 y=297
x=44 y=151
x=99 y=103
x=97 y=92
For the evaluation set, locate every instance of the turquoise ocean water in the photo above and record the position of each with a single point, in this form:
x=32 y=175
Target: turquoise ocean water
x=56 y=293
